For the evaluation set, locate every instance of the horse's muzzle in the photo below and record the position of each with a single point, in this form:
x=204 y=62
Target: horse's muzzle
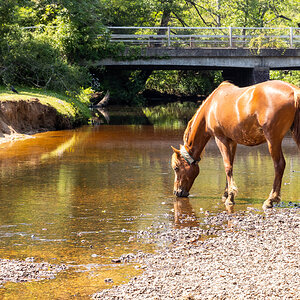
x=181 y=193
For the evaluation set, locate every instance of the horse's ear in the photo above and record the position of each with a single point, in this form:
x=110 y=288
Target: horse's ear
x=175 y=150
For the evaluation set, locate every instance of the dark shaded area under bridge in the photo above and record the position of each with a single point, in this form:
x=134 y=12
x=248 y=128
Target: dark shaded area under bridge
x=242 y=66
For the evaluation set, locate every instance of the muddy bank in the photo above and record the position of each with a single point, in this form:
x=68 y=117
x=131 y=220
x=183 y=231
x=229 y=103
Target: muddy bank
x=27 y=270
x=20 y=119
x=253 y=256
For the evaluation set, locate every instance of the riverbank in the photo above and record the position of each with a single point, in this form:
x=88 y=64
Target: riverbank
x=32 y=111
x=27 y=270
x=253 y=256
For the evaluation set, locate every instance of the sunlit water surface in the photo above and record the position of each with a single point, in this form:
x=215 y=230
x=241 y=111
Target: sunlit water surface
x=76 y=197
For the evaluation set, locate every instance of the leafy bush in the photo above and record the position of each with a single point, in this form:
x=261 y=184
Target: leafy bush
x=288 y=76
x=184 y=82
x=29 y=59
x=125 y=86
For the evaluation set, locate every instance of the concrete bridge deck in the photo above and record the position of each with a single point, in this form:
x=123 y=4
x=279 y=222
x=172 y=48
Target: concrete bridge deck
x=187 y=58
x=230 y=49
x=242 y=66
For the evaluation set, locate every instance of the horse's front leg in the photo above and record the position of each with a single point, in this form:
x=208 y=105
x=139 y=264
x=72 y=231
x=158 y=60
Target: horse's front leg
x=227 y=148
x=225 y=195
x=279 y=166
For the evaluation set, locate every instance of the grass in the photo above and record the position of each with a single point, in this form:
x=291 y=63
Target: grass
x=71 y=107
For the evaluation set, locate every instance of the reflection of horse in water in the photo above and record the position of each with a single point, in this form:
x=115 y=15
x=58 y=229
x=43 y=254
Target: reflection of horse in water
x=248 y=116
x=184 y=215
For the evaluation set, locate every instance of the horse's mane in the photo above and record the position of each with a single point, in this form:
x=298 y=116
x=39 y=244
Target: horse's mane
x=189 y=125
x=187 y=131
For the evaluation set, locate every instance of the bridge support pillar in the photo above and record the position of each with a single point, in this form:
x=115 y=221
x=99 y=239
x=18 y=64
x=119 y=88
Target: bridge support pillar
x=244 y=76
x=260 y=74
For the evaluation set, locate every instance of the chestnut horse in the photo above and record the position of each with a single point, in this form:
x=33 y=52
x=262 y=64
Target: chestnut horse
x=249 y=116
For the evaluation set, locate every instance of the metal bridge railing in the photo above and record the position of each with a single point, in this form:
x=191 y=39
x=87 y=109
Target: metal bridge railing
x=207 y=37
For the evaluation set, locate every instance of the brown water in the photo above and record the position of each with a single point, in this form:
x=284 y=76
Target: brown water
x=76 y=197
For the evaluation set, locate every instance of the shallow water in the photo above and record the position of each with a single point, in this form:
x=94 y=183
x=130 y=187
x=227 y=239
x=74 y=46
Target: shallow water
x=77 y=197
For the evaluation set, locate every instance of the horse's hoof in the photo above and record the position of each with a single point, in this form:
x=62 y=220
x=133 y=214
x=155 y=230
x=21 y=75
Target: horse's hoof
x=230 y=199
x=229 y=209
x=229 y=202
x=267 y=204
x=277 y=200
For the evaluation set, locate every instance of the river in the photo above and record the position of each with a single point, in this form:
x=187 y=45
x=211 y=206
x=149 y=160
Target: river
x=78 y=197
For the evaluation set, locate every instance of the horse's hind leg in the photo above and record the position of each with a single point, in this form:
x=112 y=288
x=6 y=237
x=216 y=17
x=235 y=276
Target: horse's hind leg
x=227 y=148
x=279 y=166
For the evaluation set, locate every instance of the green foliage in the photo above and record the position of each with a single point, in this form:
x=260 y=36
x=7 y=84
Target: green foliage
x=81 y=102
x=117 y=51
x=200 y=13
x=125 y=86
x=84 y=95
x=268 y=39
x=70 y=32
x=288 y=76
x=30 y=60
x=171 y=115
x=50 y=54
x=250 y=13
x=184 y=82
x=126 y=12
x=196 y=13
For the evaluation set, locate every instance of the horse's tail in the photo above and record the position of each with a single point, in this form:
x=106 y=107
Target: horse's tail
x=296 y=124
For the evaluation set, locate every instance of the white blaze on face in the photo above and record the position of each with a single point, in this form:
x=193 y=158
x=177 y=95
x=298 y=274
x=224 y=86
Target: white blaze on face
x=175 y=176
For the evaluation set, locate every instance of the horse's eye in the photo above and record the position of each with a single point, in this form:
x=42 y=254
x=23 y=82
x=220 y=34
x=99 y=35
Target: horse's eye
x=176 y=169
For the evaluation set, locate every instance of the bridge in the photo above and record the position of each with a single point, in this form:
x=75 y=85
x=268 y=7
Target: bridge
x=244 y=54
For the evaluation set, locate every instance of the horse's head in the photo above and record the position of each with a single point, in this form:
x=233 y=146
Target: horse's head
x=185 y=172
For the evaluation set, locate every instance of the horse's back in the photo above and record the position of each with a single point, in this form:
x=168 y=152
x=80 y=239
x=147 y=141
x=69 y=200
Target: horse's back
x=245 y=114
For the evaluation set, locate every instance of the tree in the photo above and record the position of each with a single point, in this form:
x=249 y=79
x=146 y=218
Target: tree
x=47 y=57
x=51 y=55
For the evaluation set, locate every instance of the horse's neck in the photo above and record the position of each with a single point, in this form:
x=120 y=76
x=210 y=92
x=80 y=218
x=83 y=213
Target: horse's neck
x=196 y=136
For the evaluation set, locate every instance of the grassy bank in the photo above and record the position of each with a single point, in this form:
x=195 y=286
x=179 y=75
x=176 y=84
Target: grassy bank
x=73 y=107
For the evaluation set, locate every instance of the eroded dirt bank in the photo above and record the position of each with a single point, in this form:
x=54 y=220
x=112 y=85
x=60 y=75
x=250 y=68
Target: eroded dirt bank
x=20 y=119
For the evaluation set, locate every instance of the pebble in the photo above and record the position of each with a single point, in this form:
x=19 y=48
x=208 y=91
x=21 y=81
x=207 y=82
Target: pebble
x=27 y=270
x=251 y=256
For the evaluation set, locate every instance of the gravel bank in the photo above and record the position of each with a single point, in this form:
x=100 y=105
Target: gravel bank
x=254 y=256
x=27 y=270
